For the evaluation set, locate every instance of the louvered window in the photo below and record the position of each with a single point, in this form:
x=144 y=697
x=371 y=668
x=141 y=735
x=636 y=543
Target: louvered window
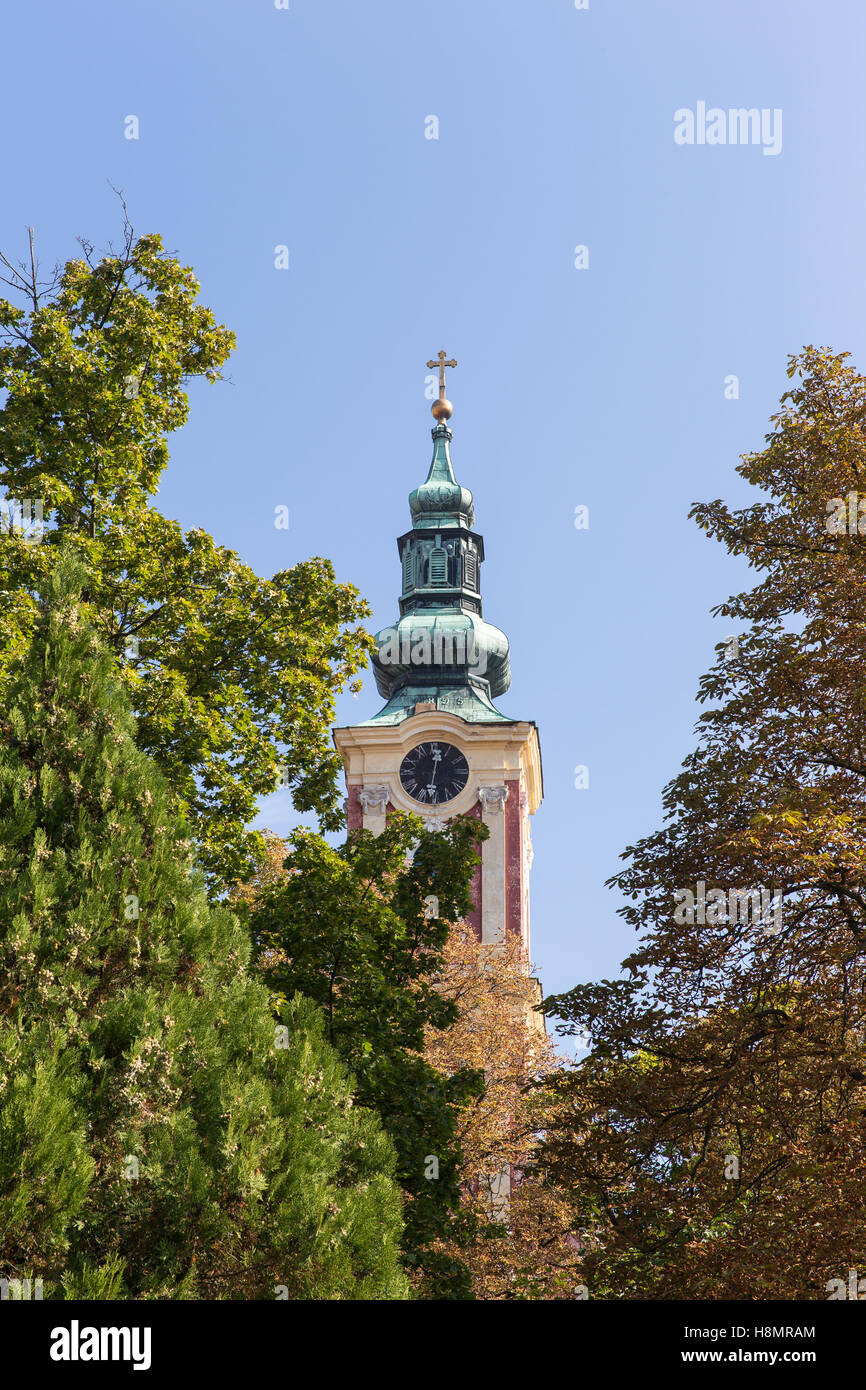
x=438 y=565
x=407 y=569
x=470 y=571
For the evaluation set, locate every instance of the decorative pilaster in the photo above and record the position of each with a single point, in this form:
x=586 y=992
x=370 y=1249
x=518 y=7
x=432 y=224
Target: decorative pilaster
x=514 y=863
x=493 y=875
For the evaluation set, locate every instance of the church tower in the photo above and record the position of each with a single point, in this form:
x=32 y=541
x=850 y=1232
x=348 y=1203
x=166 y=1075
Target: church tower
x=439 y=747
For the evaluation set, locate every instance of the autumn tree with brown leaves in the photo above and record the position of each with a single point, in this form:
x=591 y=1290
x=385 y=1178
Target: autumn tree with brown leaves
x=525 y=1248
x=713 y=1142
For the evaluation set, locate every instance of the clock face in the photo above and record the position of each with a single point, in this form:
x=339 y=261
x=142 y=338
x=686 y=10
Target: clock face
x=434 y=772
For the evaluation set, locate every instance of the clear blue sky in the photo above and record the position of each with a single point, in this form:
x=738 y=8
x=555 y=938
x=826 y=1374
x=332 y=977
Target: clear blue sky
x=602 y=387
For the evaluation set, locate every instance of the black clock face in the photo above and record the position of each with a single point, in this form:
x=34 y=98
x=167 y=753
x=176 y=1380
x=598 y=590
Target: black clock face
x=434 y=772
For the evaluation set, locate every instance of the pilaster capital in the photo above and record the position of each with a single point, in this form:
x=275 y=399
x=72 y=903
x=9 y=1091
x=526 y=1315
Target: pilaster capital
x=493 y=798
x=375 y=798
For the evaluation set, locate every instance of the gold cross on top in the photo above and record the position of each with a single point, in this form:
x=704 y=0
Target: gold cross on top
x=442 y=363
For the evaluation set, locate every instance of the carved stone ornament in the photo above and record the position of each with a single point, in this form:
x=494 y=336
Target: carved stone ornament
x=493 y=798
x=375 y=798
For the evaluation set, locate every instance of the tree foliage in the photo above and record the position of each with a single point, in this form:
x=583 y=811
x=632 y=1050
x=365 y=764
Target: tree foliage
x=713 y=1141
x=158 y=1138
x=524 y=1248
x=232 y=678
x=354 y=928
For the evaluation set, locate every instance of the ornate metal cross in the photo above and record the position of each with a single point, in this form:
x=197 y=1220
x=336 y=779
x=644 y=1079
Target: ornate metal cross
x=442 y=363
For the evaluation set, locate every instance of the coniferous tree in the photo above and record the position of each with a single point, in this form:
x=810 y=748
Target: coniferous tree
x=159 y=1138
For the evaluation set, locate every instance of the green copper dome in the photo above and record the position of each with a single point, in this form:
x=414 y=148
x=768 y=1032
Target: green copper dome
x=441 y=653
x=441 y=501
x=446 y=647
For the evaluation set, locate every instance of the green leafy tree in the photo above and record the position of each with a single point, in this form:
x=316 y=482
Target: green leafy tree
x=361 y=929
x=159 y=1136
x=713 y=1141
x=232 y=678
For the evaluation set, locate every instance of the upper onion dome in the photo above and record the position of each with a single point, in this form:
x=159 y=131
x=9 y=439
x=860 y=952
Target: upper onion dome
x=441 y=501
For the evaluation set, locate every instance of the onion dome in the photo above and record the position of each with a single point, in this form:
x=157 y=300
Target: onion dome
x=441 y=501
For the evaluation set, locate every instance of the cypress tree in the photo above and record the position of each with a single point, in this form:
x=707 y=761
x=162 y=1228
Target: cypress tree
x=160 y=1135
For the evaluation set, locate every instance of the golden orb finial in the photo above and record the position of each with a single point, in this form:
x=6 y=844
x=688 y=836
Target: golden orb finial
x=442 y=409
